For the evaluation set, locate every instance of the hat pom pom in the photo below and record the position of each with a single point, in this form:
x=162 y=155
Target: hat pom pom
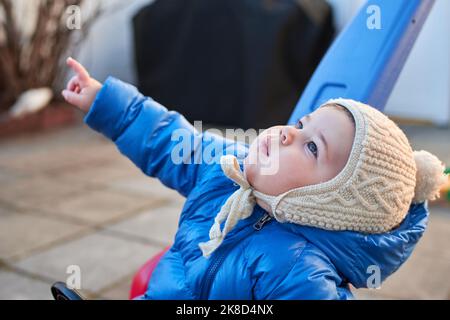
x=430 y=176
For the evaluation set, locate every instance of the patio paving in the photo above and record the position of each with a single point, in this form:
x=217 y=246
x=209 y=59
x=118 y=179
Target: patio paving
x=68 y=197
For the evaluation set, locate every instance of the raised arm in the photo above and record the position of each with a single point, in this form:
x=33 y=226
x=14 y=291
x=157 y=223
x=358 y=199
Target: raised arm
x=143 y=130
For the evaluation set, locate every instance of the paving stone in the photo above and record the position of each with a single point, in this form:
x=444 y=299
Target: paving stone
x=423 y=276
x=436 y=238
x=4 y=210
x=158 y=224
x=370 y=294
x=21 y=234
x=18 y=287
x=145 y=185
x=48 y=149
x=101 y=174
x=31 y=192
x=103 y=260
x=50 y=140
x=8 y=176
x=119 y=291
x=100 y=206
x=67 y=153
x=62 y=159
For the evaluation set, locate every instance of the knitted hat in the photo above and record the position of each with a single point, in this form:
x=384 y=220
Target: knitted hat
x=371 y=194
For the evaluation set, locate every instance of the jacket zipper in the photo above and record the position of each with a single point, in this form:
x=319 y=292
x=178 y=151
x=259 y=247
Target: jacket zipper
x=220 y=257
x=260 y=224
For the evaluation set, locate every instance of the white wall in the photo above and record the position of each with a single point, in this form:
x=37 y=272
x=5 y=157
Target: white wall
x=109 y=48
x=423 y=88
x=422 y=91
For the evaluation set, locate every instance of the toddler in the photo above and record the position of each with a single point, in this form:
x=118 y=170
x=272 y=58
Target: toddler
x=306 y=210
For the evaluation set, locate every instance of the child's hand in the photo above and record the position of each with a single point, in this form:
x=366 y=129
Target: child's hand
x=81 y=89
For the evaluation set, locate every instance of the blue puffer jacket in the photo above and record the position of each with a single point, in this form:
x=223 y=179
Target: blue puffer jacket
x=274 y=261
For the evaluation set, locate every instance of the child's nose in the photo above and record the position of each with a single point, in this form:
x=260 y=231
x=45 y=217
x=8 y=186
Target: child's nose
x=287 y=135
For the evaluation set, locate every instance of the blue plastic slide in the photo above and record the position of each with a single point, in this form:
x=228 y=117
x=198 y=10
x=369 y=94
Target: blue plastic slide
x=365 y=60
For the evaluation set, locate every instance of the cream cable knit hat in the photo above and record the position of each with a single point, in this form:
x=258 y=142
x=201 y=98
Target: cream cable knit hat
x=371 y=194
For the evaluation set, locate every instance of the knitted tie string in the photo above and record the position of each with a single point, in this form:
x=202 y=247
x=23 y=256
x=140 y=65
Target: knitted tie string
x=237 y=207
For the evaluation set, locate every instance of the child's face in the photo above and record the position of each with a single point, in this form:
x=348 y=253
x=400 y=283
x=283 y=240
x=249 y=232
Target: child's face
x=298 y=154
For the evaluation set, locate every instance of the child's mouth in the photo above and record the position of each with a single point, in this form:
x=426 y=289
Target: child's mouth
x=265 y=145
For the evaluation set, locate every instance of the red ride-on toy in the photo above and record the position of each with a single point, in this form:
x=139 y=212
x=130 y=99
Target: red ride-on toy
x=60 y=291
x=142 y=277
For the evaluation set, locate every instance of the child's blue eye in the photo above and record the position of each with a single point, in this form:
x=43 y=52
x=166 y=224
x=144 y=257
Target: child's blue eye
x=311 y=145
x=313 y=148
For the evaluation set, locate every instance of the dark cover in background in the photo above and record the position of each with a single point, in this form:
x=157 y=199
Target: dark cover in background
x=240 y=63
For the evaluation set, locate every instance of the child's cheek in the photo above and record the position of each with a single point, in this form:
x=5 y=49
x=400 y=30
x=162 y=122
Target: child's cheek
x=250 y=171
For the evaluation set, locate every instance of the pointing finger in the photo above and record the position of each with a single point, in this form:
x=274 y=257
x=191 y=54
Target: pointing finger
x=79 y=69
